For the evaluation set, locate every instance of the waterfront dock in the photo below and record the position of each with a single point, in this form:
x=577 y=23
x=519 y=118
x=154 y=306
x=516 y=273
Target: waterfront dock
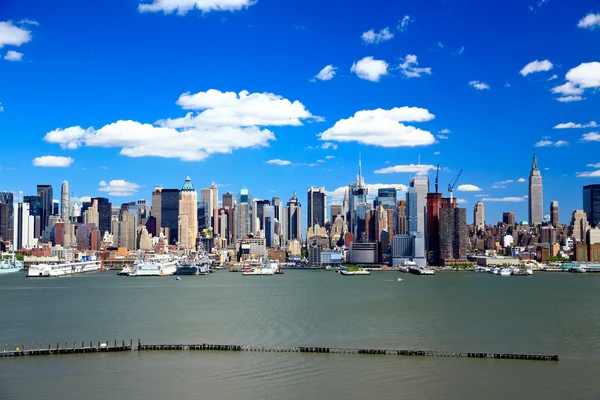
x=123 y=347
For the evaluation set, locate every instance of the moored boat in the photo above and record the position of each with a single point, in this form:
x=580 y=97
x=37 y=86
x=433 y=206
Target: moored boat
x=8 y=266
x=64 y=269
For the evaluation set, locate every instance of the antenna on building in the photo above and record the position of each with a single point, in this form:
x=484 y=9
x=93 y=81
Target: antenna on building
x=437 y=174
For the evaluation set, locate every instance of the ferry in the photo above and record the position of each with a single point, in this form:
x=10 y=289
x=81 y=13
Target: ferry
x=355 y=272
x=64 y=269
x=421 y=271
x=267 y=268
x=154 y=268
x=8 y=266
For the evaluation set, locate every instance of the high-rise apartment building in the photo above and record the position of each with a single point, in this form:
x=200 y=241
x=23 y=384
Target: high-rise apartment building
x=579 y=226
x=508 y=218
x=453 y=234
x=47 y=202
x=91 y=216
x=401 y=222
x=536 y=212
x=156 y=208
x=228 y=201
x=169 y=211
x=554 y=219
x=6 y=215
x=23 y=227
x=188 y=215
x=243 y=220
x=65 y=212
x=293 y=220
x=317 y=207
x=479 y=216
x=591 y=204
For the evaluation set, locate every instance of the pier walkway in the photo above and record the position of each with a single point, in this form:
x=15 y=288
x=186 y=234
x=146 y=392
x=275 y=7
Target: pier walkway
x=123 y=347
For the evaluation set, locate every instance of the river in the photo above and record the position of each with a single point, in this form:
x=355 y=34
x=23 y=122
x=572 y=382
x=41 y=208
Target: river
x=548 y=313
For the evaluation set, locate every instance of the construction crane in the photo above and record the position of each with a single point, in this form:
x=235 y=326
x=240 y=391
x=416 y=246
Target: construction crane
x=437 y=174
x=451 y=187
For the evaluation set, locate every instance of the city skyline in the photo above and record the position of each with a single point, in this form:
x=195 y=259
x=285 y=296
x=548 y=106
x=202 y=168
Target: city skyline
x=373 y=87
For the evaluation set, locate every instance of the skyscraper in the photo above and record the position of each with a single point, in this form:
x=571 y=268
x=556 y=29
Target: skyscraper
x=170 y=213
x=293 y=220
x=386 y=197
x=591 y=203
x=35 y=210
x=6 y=215
x=45 y=193
x=157 y=206
x=357 y=205
x=228 y=201
x=210 y=196
x=317 y=206
x=417 y=204
x=269 y=218
x=479 y=216
x=579 y=226
x=214 y=193
x=453 y=234
x=104 y=214
x=536 y=212
x=508 y=218
x=243 y=214
x=554 y=220
x=188 y=215
x=23 y=227
x=65 y=212
x=401 y=222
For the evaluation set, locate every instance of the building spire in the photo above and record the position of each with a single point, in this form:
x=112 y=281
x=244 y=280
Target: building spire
x=534 y=167
x=359 y=179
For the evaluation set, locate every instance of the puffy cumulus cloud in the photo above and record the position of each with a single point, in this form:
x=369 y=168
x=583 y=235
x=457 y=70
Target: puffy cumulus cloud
x=53 y=161
x=405 y=22
x=409 y=67
x=382 y=128
x=589 y=174
x=521 y=180
x=584 y=76
x=337 y=195
x=227 y=122
x=326 y=74
x=479 y=85
x=597 y=165
x=590 y=21
x=12 y=35
x=536 y=66
x=468 y=188
x=505 y=199
x=370 y=69
x=572 y=125
x=183 y=6
x=119 y=188
x=548 y=143
x=372 y=37
x=410 y=168
x=591 y=137
x=12 y=55
x=280 y=162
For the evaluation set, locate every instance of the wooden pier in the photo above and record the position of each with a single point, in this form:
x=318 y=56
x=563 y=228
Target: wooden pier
x=123 y=347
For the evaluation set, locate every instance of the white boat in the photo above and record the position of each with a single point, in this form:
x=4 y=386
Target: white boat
x=426 y=271
x=8 y=266
x=154 y=268
x=404 y=269
x=125 y=271
x=64 y=269
x=399 y=280
x=505 y=272
x=328 y=268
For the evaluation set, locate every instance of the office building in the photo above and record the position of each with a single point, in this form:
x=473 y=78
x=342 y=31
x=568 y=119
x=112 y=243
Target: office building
x=401 y=221
x=91 y=216
x=210 y=196
x=23 y=225
x=417 y=203
x=317 y=207
x=228 y=201
x=536 y=212
x=35 y=210
x=65 y=212
x=335 y=211
x=579 y=226
x=293 y=220
x=357 y=206
x=591 y=204
x=269 y=218
x=479 y=216
x=188 y=215
x=47 y=205
x=554 y=219
x=508 y=218
x=170 y=213
x=104 y=214
x=156 y=208
x=6 y=215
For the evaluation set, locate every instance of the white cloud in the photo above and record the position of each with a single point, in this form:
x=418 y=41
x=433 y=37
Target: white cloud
x=479 y=85
x=329 y=157
x=597 y=165
x=325 y=74
x=507 y=84
x=119 y=188
x=546 y=169
x=569 y=99
x=12 y=55
x=371 y=36
x=591 y=137
x=404 y=22
x=590 y=174
x=409 y=67
x=521 y=180
x=459 y=51
x=571 y=125
x=227 y=122
x=445 y=130
x=584 y=76
x=382 y=128
x=437 y=153
x=410 y=168
x=370 y=69
x=548 y=143
x=468 y=188
x=590 y=21
x=278 y=161
x=11 y=35
x=52 y=161
x=505 y=199
x=329 y=145
x=441 y=137
x=26 y=21
x=337 y=195
x=183 y=6
x=553 y=77
x=461 y=201
x=1 y=108
x=536 y=66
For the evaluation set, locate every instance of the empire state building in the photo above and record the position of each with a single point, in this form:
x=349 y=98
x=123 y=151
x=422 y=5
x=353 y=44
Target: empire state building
x=535 y=195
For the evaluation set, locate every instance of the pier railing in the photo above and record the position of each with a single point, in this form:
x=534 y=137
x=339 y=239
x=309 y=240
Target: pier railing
x=124 y=347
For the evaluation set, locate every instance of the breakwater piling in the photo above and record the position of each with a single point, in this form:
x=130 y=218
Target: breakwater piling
x=342 y=350
x=43 y=350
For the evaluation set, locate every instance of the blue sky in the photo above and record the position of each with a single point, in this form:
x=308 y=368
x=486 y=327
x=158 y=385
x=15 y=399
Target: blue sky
x=109 y=84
